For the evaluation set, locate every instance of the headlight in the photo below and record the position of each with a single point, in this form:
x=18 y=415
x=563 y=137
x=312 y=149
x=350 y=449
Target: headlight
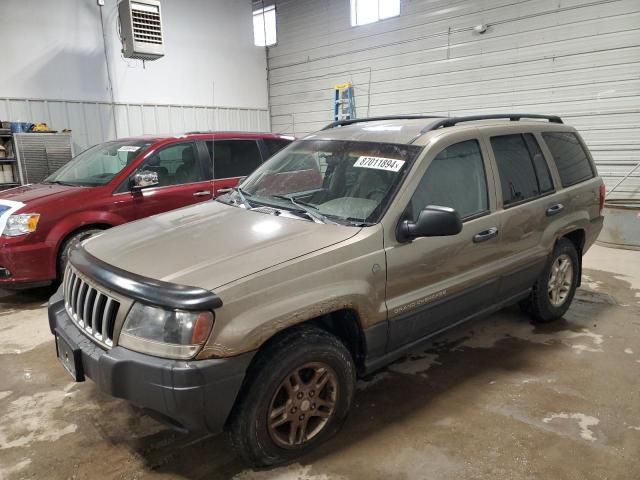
x=165 y=333
x=21 y=224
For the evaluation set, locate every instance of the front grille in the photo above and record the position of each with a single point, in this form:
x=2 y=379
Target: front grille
x=91 y=310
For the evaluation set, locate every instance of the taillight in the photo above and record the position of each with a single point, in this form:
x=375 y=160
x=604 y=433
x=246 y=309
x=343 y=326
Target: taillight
x=603 y=192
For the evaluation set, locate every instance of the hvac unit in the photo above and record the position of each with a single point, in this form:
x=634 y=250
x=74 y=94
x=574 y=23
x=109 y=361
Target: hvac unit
x=141 y=29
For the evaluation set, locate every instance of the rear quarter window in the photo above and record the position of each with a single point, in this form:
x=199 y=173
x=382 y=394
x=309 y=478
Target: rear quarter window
x=570 y=157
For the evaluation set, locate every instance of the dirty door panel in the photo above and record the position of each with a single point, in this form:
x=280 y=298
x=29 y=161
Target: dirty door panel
x=182 y=180
x=526 y=183
x=435 y=282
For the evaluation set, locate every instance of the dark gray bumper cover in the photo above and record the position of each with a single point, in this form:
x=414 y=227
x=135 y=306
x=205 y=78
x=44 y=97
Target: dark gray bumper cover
x=193 y=395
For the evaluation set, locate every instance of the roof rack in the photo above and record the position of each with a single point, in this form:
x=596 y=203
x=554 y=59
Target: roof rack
x=342 y=123
x=514 y=117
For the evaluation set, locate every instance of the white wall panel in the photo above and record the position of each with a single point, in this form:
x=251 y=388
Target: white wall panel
x=95 y=122
x=210 y=58
x=578 y=59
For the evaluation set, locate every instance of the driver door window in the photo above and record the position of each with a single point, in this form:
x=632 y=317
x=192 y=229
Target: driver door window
x=456 y=178
x=181 y=180
x=175 y=165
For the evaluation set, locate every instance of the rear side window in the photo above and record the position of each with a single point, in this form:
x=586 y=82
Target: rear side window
x=234 y=158
x=522 y=168
x=539 y=164
x=571 y=159
x=456 y=179
x=275 y=145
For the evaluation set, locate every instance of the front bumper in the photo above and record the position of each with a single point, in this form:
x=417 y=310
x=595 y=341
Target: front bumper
x=27 y=263
x=189 y=395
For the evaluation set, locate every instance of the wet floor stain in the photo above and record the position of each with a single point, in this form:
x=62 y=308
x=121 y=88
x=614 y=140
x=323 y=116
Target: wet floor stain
x=585 y=422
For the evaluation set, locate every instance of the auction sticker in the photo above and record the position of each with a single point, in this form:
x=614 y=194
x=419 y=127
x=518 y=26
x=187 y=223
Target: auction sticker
x=128 y=148
x=379 y=163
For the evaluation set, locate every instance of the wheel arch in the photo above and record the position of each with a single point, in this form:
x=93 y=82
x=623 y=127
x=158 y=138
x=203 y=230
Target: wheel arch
x=343 y=323
x=578 y=238
x=88 y=226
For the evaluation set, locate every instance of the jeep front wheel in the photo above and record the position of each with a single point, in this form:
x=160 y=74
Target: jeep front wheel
x=296 y=395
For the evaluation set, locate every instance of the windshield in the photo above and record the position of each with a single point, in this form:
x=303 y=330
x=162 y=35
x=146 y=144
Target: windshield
x=99 y=164
x=339 y=181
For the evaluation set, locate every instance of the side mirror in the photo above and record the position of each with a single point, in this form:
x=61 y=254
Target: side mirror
x=144 y=179
x=433 y=221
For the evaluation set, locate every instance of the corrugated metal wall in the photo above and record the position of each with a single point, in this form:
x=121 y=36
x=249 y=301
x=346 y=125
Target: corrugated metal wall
x=575 y=58
x=95 y=122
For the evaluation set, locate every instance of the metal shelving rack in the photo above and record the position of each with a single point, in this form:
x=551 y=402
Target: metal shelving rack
x=7 y=139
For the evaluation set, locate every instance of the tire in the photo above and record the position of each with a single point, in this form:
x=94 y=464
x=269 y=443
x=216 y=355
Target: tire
x=69 y=243
x=551 y=296
x=309 y=351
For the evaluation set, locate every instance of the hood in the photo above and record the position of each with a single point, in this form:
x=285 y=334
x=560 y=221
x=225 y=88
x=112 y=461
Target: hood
x=211 y=244
x=38 y=193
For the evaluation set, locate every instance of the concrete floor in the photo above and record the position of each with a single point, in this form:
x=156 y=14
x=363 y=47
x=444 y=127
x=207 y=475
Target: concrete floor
x=499 y=399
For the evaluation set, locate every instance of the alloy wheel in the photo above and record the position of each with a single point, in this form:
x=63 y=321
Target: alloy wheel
x=560 y=280
x=303 y=405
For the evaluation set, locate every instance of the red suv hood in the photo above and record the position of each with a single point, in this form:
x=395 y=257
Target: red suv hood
x=32 y=195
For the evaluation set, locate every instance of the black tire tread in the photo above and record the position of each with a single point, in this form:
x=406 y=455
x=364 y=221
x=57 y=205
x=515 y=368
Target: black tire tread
x=275 y=355
x=538 y=305
x=63 y=253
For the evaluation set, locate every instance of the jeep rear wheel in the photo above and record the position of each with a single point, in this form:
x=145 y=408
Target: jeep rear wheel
x=296 y=396
x=554 y=290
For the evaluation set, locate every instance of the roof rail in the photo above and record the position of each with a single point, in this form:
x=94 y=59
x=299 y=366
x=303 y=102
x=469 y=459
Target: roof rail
x=342 y=123
x=514 y=117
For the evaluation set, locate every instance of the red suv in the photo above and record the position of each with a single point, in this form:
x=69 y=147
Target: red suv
x=114 y=183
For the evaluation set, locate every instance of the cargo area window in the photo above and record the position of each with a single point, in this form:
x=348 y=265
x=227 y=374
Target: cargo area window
x=571 y=159
x=456 y=178
x=522 y=168
x=369 y=11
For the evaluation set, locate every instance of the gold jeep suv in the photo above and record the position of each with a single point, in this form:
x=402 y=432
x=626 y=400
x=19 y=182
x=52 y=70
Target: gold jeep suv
x=254 y=313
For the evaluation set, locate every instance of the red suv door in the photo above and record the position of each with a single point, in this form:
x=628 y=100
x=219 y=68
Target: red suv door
x=183 y=180
x=233 y=159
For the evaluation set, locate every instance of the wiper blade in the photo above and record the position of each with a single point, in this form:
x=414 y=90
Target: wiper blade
x=304 y=207
x=243 y=197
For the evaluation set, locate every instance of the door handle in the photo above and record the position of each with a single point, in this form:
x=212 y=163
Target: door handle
x=485 y=235
x=202 y=193
x=222 y=191
x=554 y=209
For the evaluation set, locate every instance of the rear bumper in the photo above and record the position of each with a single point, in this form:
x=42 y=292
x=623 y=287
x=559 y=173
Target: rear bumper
x=188 y=395
x=24 y=264
x=595 y=227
